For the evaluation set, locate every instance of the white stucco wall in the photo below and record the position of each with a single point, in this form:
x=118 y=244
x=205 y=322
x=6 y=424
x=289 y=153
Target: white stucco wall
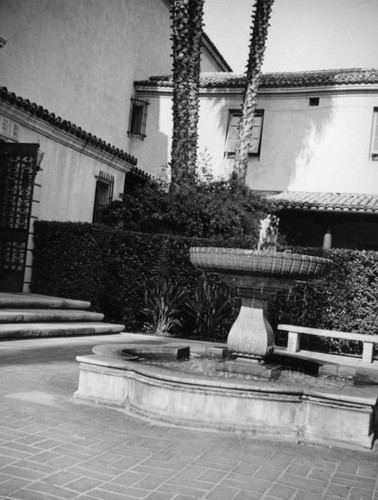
x=153 y=152
x=65 y=186
x=66 y=183
x=79 y=58
x=323 y=148
x=303 y=148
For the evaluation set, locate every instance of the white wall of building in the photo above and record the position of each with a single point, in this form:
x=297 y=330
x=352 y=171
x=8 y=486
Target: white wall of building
x=322 y=148
x=65 y=186
x=303 y=148
x=79 y=59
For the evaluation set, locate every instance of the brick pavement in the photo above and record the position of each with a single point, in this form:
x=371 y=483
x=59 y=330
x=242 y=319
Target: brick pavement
x=55 y=447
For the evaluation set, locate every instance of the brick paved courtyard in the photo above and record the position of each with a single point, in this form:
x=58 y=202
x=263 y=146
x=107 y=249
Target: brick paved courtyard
x=53 y=446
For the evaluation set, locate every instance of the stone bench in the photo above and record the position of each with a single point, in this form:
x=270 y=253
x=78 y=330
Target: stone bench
x=295 y=332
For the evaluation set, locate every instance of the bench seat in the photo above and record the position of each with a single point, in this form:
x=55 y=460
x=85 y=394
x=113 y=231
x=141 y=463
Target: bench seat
x=295 y=332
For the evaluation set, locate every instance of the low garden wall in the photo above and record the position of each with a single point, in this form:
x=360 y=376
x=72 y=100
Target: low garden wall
x=114 y=268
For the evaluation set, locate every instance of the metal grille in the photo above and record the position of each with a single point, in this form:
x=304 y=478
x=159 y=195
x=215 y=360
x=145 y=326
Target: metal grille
x=18 y=167
x=103 y=196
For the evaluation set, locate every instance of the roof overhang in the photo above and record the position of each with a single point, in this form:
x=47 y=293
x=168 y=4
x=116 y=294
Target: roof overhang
x=343 y=81
x=347 y=203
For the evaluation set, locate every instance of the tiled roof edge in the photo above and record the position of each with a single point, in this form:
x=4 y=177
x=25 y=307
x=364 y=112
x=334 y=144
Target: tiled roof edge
x=330 y=202
x=349 y=76
x=58 y=122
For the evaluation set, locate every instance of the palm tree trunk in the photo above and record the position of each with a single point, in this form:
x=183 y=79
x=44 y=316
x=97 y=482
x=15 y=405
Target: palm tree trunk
x=186 y=36
x=260 y=19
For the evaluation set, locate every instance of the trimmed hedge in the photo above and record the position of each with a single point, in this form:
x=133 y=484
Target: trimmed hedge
x=346 y=299
x=111 y=268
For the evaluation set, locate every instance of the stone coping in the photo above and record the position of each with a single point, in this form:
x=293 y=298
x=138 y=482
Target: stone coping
x=35 y=300
x=113 y=356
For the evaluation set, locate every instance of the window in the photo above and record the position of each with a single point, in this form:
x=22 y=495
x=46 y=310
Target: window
x=138 y=118
x=374 y=136
x=314 y=101
x=233 y=132
x=103 y=196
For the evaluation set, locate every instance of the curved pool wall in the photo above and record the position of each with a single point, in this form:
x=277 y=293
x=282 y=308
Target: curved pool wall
x=277 y=410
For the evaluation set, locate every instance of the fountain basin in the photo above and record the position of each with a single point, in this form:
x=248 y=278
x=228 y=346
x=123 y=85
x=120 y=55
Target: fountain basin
x=259 y=263
x=326 y=415
x=258 y=275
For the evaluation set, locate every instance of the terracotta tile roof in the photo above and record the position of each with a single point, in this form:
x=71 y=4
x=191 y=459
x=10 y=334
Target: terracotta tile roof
x=58 y=122
x=328 y=202
x=353 y=76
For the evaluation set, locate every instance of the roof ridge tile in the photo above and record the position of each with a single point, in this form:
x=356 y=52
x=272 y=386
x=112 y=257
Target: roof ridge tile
x=324 y=77
x=306 y=200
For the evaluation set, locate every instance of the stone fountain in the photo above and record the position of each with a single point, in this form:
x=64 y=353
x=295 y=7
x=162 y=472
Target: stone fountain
x=122 y=375
x=258 y=275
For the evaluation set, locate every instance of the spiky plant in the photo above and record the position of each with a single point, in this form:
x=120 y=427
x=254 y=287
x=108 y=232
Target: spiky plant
x=186 y=37
x=260 y=24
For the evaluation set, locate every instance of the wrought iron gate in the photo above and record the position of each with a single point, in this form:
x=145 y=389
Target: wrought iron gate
x=18 y=168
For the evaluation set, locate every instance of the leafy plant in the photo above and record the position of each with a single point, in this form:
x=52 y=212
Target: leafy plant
x=110 y=268
x=163 y=308
x=210 y=308
x=216 y=210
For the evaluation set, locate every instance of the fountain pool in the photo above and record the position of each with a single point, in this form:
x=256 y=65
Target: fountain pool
x=333 y=413
x=262 y=401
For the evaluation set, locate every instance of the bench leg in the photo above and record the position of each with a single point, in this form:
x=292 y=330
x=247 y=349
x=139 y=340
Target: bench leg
x=293 y=342
x=367 y=352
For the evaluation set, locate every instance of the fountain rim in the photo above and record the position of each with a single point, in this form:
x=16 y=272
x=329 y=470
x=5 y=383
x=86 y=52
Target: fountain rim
x=264 y=263
x=115 y=356
x=275 y=254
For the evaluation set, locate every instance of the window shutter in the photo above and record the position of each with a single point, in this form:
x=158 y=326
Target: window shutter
x=374 y=139
x=233 y=133
x=138 y=117
x=256 y=135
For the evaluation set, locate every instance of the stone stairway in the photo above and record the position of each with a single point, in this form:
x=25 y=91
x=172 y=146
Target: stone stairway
x=31 y=315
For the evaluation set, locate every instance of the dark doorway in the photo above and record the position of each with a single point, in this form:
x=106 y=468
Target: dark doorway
x=18 y=168
x=356 y=231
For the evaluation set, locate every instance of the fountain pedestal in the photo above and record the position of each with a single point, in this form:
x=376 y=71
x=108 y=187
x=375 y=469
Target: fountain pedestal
x=251 y=334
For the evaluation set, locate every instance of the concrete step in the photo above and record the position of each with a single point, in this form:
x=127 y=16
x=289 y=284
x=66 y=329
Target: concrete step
x=33 y=300
x=27 y=330
x=43 y=315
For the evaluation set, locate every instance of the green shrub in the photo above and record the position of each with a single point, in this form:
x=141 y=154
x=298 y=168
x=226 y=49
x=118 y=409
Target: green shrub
x=205 y=210
x=69 y=260
x=211 y=308
x=346 y=299
x=112 y=268
x=163 y=308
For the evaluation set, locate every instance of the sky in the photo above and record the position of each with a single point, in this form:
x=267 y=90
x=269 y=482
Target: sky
x=304 y=34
